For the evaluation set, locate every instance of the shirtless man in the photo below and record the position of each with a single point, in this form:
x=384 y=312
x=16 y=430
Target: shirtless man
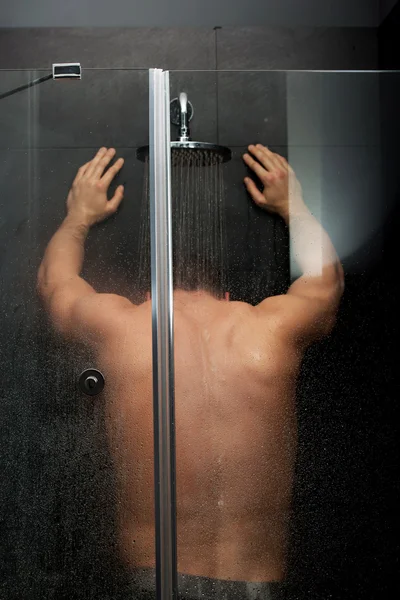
x=235 y=372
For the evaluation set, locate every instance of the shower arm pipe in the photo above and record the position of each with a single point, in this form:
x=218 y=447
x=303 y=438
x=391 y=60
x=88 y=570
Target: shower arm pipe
x=26 y=86
x=162 y=332
x=184 y=127
x=60 y=71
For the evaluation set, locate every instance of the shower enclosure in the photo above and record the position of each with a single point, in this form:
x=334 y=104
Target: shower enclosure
x=59 y=495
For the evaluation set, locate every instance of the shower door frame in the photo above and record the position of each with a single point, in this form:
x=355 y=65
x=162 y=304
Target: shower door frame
x=162 y=334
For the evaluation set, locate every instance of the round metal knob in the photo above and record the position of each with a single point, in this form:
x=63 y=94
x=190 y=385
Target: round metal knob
x=91 y=382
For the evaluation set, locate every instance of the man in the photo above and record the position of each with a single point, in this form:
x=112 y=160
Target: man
x=235 y=370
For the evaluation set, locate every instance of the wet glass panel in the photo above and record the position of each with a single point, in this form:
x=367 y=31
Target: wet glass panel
x=76 y=455
x=284 y=419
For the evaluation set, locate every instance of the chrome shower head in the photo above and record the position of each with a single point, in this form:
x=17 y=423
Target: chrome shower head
x=192 y=151
x=200 y=153
x=192 y=148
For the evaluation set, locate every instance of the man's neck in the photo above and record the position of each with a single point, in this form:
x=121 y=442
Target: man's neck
x=185 y=297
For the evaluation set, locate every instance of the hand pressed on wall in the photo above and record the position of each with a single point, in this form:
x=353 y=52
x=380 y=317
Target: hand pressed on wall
x=87 y=200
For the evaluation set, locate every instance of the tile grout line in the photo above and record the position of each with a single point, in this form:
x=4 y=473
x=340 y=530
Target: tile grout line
x=216 y=77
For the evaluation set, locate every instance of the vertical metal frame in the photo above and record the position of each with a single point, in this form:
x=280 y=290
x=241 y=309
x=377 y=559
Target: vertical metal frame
x=163 y=342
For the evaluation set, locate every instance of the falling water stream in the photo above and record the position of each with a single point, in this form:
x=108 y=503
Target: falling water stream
x=198 y=221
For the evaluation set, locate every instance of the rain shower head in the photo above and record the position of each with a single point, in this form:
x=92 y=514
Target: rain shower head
x=193 y=150
x=181 y=112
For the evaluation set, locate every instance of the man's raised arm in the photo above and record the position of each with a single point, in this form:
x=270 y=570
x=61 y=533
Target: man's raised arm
x=60 y=285
x=308 y=310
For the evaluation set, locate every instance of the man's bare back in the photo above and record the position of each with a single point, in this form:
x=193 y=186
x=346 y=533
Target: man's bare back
x=235 y=376
x=235 y=437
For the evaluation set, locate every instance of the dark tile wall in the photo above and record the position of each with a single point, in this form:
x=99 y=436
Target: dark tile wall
x=225 y=48
x=297 y=48
x=334 y=142
x=202 y=91
x=72 y=114
x=108 y=48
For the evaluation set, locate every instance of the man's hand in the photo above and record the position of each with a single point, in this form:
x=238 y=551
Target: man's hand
x=87 y=201
x=278 y=178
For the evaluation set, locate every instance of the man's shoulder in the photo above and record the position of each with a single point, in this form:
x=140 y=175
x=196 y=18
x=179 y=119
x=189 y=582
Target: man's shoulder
x=102 y=312
x=247 y=328
x=103 y=302
x=269 y=314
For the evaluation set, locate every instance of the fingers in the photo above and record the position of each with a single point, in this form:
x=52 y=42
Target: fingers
x=113 y=204
x=103 y=162
x=95 y=168
x=264 y=156
x=112 y=171
x=81 y=171
x=93 y=163
x=253 y=191
x=100 y=162
x=267 y=162
x=270 y=160
x=282 y=161
x=88 y=168
x=256 y=167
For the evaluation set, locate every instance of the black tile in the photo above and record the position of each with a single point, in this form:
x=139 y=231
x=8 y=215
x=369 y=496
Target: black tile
x=353 y=204
x=110 y=47
x=297 y=48
x=252 y=108
x=333 y=109
x=342 y=187
x=108 y=108
x=19 y=112
x=17 y=229
x=104 y=108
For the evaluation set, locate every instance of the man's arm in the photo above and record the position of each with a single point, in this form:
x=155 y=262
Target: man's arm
x=308 y=311
x=73 y=305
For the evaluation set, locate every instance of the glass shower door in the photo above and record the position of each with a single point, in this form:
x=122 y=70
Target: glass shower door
x=77 y=468
x=282 y=470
